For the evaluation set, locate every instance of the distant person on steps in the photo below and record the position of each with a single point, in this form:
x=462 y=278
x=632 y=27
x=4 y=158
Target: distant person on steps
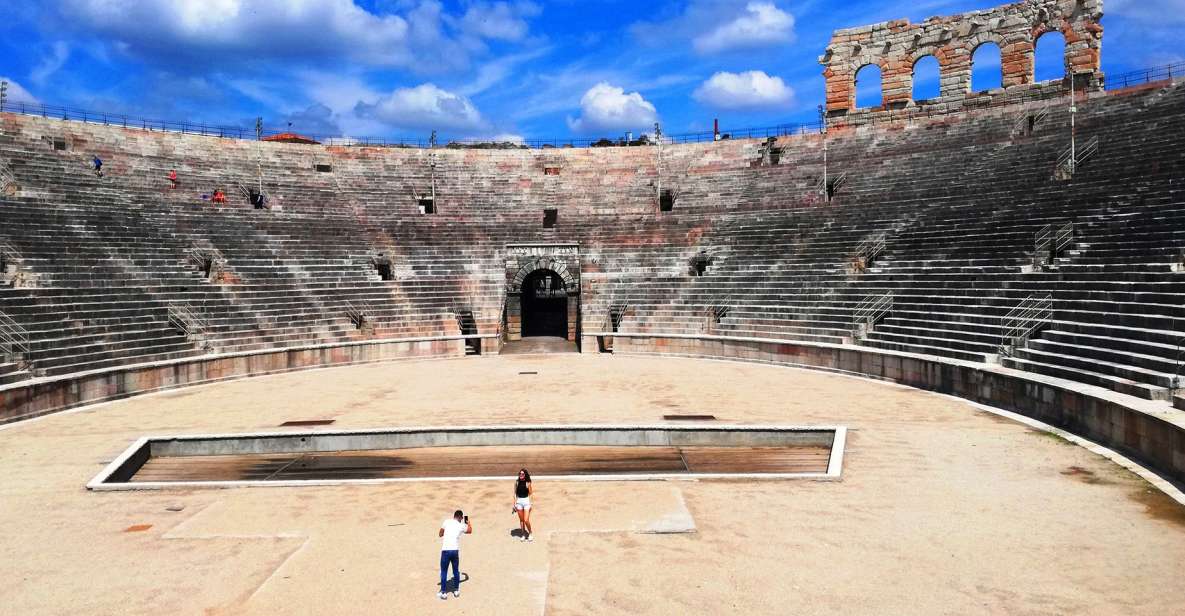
x=172 y=179
x=522 y=503
x=450 y=550
x=98 y=163
x=219 y=196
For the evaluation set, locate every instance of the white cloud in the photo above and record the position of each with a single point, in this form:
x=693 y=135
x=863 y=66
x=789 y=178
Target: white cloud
x=18 y=94
x=763 y=24
x=51 y=63
x=748 y=90
x=499 y=20
x=605 y=107
x=425 y=107
x=420 y=36
x=514 y=138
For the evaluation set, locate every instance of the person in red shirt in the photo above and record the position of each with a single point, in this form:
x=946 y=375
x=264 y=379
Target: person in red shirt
x=172 y=178
x=219 y=196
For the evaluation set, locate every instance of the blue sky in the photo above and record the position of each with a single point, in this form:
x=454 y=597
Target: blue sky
x=476 y=68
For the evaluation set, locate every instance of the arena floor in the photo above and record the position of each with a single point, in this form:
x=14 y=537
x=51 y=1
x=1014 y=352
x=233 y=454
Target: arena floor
x=943 y=508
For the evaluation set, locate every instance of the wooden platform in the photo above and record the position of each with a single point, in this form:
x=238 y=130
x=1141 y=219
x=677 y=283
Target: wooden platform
x=437 y=462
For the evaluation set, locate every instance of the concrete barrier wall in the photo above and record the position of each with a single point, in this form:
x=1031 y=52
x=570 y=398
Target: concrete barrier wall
x=42 y=396
x=481 y=436
x=1151 y=433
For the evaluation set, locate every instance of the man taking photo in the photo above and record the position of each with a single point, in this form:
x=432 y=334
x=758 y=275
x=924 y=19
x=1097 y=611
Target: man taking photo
x=450 y=550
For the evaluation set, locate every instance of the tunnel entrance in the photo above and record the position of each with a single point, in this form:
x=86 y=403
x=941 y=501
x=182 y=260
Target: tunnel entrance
x=545 y=305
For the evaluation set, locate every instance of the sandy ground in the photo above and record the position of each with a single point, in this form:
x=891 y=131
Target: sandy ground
x=943 y=509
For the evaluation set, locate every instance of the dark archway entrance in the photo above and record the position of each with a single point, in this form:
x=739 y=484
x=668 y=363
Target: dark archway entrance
x=545 y=305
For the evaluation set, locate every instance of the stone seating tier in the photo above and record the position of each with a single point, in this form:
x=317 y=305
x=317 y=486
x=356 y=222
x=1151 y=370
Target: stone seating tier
x=957 y=200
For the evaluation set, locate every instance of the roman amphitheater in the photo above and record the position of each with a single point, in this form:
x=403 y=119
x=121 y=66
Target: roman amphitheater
x=920 y=359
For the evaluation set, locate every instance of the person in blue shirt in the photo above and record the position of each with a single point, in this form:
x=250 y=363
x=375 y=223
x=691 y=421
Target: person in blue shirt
x=98 y=163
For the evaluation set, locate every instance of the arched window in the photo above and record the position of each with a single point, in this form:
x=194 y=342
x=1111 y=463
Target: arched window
x=1049 y=63
x=926 y=79
x=986 y=72
x=868 y=87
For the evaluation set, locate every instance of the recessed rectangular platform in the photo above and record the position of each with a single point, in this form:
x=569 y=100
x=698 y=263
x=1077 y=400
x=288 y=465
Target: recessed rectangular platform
x=476 y=453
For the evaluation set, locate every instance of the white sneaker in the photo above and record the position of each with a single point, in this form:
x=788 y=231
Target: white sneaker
x=441 y=595
x=522 y=537
x=530 y=538
x=456 y=593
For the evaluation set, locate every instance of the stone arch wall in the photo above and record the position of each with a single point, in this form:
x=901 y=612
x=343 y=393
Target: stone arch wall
x=571 y=281
x=883 y=73
x=524 y=259
x=896 y=45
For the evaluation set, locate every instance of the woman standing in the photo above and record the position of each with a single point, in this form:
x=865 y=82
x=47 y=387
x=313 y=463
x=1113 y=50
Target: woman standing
x=522 y=503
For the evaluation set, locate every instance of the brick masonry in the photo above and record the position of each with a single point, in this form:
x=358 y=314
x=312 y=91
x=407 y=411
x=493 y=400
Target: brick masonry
x=896 y=46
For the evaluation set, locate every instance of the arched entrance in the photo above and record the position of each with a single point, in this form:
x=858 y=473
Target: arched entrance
x=544 y=305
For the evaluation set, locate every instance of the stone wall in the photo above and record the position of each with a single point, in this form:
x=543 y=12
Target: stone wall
x=524 y=259
x=896 y=46
x=27 y=400
x=1155 y=436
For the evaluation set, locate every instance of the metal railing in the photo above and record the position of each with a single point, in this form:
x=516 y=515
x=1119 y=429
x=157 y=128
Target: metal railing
x=360 y=312
x=1030 y=119
x=716 y=313
x=870 y=248
x=615 y=315
x=1024 y=320
x=1166 y=72
x=1049 y=241
x=1063 y=236
x=869 y=312
x=6 y=176
x=1072 y=157
x=1179 y=373
x=466 y=324
x=14 y=339
x=8 y=251
x=831 y=185
x=1118 y=81
x=187 y=319
x=1090 y=148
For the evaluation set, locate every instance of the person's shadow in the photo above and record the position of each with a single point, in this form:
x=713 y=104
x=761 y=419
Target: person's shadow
x=451 y=586
x=517 y=533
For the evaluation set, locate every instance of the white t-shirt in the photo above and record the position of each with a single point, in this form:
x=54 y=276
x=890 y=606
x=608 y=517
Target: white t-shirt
x=452 y=534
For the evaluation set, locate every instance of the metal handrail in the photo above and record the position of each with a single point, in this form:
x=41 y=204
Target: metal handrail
x=460 y=312
x=869 y=311
x=619 y=308
x=1030 y=116
x=6 y=176
x=1022 y=321
x=1086 y=151
x=360 y=313
x=1177 y=374
x=185 y=318
x=1072 y=157
x=1062 y=238
x=9 y=251
x=199 y=255
x=871 y=247
x=1042 y=239
x=715 y=313
x=14 y=338
x=1148 y=75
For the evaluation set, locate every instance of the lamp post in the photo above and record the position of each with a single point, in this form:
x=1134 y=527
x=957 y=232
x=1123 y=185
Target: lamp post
x=3 y=94
x=823 y=131
x=658 y=167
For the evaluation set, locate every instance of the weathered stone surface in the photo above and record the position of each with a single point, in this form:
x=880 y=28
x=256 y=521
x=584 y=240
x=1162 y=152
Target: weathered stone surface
x=895 y=46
